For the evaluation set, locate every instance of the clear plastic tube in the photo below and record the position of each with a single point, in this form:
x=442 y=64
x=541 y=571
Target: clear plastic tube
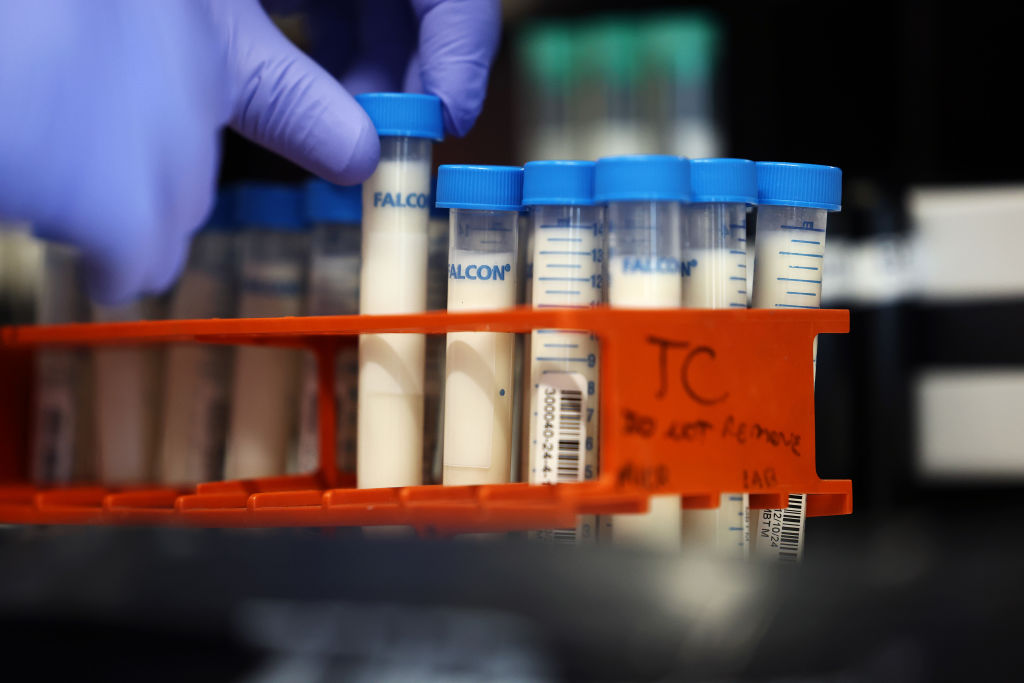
x=790 y=250
x=645 y=253
x=568 y=255
x=265 y=383
x=197 y=376
x=715 y=276
x=396 y=199
x=433 y=377
x=126 y=381
x=479 y=392
x=21 y=265
x=333 y=290
x=63 y=426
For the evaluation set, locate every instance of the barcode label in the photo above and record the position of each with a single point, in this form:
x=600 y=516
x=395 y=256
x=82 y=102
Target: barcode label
x=780 y=533
x=560 y=431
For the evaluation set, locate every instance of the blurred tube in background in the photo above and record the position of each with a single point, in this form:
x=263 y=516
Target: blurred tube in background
x=21 y=264
x=264 y=395
x=62 y=436
x=127 y=399
x=335 y=213
x=548 y=76
x=197 y=376
x=681 y=52
x=608 y=100
x=619 y=84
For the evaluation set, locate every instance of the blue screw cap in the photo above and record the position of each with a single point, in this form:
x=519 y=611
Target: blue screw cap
x=401 y=114
x=732 y=181
x=558 y=183
x=483 y=188
x=269 y=205
x=328 y=203
x=223 y=215
x=435 y=210
x=810 y=185
x=642 y=177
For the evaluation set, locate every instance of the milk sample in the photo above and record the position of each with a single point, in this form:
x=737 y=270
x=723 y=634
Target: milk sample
x=726 y=529
x=631 y=287
x=567 y=259
x=789 y=266
x=614 y=137
x=265 y=384
x=127 y=403
x=790 y=252
x=21 y=273
x=478 y=373
x=647 y=286
x=393 y=280
x=714 y=278
x=195 y=407
x=333 y=290
x=694 y=137
x=62 y=437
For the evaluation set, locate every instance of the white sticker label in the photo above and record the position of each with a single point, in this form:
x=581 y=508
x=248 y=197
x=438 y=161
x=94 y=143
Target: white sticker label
x=780 y=533
x=559 y=428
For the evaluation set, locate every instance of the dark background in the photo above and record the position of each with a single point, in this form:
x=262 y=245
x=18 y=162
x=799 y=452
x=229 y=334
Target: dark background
x=896 y=92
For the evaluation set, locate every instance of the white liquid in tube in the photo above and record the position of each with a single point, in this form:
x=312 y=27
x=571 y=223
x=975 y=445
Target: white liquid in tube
x=333 y=290
x=197 y=376
x=644 y=272
x=21 y=272
x=264 y=387
x=568 y=246
x=661 y=526
x=478 y=373
x=790 y=251
x=126 y=380
x=694 y=137
x=715 y=276
x=614 y=137
x=393 y=280
x=63 y=423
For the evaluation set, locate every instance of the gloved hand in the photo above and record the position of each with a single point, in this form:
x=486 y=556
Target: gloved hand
x=109 y=127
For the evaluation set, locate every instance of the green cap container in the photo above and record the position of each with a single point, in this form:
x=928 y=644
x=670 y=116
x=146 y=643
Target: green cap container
x=608 y=49
x=683 y=46
x=545 y=54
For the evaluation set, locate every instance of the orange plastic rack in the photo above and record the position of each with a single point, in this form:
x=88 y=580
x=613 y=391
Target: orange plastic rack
x=692 y=403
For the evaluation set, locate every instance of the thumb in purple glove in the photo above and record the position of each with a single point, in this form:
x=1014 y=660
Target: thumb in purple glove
x=440 y=47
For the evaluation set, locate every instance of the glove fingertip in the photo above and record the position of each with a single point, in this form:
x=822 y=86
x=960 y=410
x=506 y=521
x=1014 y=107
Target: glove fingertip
x=109 y=285
x=355 y=164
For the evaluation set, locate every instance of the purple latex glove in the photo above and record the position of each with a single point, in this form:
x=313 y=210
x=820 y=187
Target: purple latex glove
x=449 y=55
x=109 y=132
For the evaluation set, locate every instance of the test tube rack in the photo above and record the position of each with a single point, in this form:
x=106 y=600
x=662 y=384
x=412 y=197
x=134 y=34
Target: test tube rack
x=693 y=402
